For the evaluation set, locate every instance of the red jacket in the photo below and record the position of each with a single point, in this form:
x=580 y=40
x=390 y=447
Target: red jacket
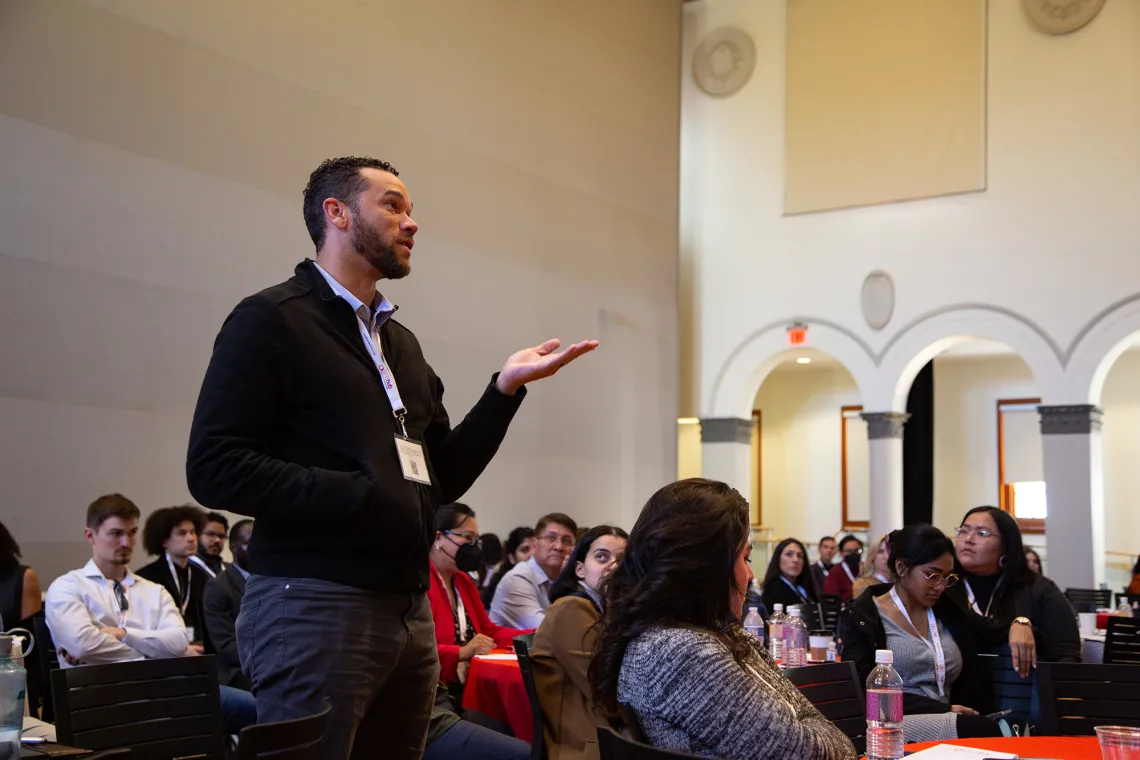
x=445 y=624
x=837 y=582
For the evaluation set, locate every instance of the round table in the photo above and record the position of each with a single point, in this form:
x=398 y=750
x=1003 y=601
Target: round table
x=1061 y=747
x=495 y=688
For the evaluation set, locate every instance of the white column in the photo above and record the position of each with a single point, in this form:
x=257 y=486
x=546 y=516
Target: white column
x=726 y=452
x=885 y=434
x=1074 y=492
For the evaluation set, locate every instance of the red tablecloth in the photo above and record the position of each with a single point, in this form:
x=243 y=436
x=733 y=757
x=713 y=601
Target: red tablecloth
x=1062 y=747
x=495 y=688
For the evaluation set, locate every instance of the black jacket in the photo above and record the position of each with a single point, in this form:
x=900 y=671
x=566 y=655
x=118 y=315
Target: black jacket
x=861 y=632
x=1058 y=637
x=159 y=572
x=293 y=427
x=778 y=592
x=220 y=608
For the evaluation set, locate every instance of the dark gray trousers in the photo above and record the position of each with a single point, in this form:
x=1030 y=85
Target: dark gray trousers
x=371 y=655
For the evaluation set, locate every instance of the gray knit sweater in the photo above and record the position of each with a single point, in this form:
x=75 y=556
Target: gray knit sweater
x=693 y=697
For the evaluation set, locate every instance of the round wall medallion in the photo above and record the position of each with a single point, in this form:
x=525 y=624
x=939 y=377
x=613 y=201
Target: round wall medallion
x=1061 y=16
x=724 y=61
x=878 y=299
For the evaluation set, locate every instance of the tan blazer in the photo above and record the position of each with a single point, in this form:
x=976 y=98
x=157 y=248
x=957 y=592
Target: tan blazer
x=560 y=658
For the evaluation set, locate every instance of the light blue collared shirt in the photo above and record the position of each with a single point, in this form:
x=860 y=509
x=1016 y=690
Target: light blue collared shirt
x=594 y=595
x=373 y=319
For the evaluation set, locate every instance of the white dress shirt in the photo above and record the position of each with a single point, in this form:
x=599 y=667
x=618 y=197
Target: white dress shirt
x=522 y=597
x=81 y=602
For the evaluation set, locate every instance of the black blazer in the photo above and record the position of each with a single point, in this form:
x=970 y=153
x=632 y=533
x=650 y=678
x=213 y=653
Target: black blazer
x=293 y=427
x=221 y=606
x=778 y=592
x=818 y=575
x=861 y=632
x=1058 y=637
x=159 y=572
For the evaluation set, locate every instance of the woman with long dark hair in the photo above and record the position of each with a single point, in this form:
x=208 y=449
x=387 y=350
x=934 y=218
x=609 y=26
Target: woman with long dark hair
x=933 y=640
x=517 y=548
x=789 y=580
x=564 y=643
x=997 y=583
x=672 y=648
x=19 y=586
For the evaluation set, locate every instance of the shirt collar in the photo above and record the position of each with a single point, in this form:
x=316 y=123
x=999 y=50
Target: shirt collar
x=240 y=569
x=537 y=571
x=379 y=314
x=594 y=595
x=91 y=570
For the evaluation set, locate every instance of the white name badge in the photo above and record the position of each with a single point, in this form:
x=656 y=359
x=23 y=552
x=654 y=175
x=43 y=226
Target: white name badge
x=412 y=460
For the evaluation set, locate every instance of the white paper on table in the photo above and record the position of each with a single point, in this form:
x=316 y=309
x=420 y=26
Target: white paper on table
x=955 y=752
x=496 y=657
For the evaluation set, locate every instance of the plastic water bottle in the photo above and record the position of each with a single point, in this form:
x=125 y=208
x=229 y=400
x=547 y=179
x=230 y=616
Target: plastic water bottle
x=795 y=640
x=884 y=709
x=13 y=681
x=1123 y=609
x=776 y=632
x=754 y=624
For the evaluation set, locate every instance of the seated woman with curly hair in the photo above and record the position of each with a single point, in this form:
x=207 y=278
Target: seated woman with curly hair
x=672 y=648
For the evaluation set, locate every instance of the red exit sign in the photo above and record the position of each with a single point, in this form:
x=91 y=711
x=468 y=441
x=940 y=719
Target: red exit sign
x=797 y=335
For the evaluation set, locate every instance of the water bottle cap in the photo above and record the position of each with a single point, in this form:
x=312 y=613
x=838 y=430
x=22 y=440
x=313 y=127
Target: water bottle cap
x=777 y=608
x=795 y=612
x=752 y=609
x=884 y=657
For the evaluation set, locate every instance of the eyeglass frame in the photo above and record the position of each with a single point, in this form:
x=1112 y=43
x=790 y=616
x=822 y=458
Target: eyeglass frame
x=980 y=533
x=945 y=581
x=552 y=538
x=472 y=539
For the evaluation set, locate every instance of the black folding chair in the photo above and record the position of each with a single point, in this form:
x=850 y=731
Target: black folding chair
x=830 y=605
x=614 y=746
x=158 y=708
x=834 y=689
x=1010 y=690
x=288 y=740
x=523 y=644
x=48 y=659
x=1088 y=599
x=1075 y=698
x=1122 y=645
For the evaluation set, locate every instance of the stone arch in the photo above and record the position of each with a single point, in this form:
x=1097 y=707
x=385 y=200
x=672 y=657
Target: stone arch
x=1097 y=347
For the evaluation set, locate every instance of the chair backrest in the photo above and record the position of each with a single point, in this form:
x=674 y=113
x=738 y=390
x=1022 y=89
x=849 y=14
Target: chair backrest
x=1088 y=599
x=1077 y=697
x=158 y=708
x=834 y=689
x=830 y=605
x=1122 y=644
x=523 y=644
x=298 y=739
x=48 y=659
x=632 y=723
x=614 y=746
x=1010 y=690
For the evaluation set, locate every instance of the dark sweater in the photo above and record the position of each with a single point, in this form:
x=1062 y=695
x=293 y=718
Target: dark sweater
x=293 y=428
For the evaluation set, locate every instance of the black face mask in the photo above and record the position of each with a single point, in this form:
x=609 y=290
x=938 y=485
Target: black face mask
x=852 y=561
x=468 y=557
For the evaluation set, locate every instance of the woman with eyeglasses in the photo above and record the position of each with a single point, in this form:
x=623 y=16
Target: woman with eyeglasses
x=462 y=627
x=789 y=580
x=564 y=643
x=932 y=638
x=997 y=583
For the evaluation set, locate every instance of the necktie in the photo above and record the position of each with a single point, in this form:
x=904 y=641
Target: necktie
x=121 y=597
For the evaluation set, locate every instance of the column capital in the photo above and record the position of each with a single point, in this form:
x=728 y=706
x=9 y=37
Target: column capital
x=1070 y=419
x=726 y=430
x=885 y=424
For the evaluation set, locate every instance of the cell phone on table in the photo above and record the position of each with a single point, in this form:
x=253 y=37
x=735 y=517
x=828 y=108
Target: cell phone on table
x=999 y=714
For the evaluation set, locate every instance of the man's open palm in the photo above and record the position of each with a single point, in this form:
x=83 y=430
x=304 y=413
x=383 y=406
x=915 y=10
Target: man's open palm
x=538 y=362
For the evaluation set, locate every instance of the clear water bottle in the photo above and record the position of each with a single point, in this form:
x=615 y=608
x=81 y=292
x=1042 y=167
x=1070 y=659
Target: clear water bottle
x=795 y=639
x=884 y=709
x=776 y=632
x=754 y=624
x=13 y=681
x=1124 y=609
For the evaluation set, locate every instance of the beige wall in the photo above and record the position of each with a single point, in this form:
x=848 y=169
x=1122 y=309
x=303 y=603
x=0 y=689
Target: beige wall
x=154 y=156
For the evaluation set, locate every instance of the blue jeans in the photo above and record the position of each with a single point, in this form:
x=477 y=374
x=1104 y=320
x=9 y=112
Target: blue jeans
x=239 y=709
x=370 y=656
x=472 y=742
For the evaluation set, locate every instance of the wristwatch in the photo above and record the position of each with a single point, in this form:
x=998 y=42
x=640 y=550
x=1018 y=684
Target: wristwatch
x=1023 y=621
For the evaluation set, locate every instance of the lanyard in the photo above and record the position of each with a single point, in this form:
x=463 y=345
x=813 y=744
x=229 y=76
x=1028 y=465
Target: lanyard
x=184 y=593
x=826 y=570
x=974 y=601
x=934 y=643
x=461 y=613
x=387 y=379
x=881 y=579
x=202 y=564
x=798 y=589
x=847 y=570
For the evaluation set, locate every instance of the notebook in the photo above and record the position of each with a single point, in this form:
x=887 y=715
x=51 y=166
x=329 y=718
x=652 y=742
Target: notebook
x=955 y=752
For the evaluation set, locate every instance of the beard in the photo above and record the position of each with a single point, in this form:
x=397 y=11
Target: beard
x=379 y=252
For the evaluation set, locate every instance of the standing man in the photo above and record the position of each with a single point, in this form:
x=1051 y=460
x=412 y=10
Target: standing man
x=822 y=567
x=320 y=417
x=171 y=534
x=211 y=544
x=221 y=604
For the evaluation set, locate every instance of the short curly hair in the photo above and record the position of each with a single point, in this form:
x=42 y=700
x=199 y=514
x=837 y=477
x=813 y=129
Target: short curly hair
x=162 y=523
x=338 y=178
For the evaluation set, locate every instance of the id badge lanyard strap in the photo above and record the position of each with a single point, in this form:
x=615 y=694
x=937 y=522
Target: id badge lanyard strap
x=183 y=592
x=798 y=589
x=387 y=379
x=974 y=601
x=934 y=643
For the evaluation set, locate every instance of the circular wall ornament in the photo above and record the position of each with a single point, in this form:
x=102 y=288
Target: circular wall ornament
x=1061 y=16
x=878 y=299
x=724 y=61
